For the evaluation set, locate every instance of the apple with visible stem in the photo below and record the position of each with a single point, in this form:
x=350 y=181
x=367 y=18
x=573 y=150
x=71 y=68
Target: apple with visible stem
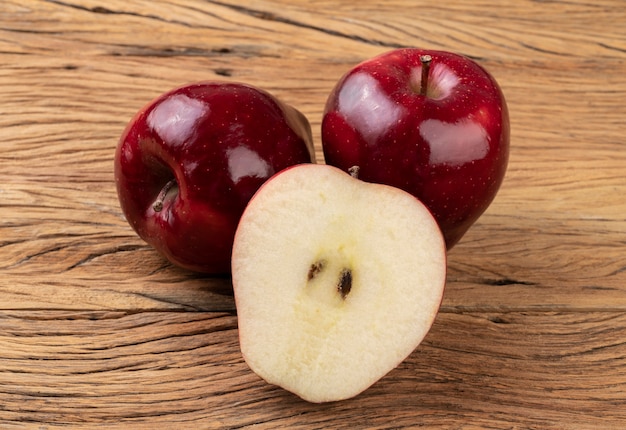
x=336 y=280
x=189 y=161
x=432 y=123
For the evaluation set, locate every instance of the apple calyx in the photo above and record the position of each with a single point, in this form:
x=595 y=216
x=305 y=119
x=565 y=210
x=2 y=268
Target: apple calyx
x=169 y=188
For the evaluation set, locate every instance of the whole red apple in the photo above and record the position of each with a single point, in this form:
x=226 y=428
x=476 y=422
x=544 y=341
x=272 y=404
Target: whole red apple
x=432 y=123
x=188 y=163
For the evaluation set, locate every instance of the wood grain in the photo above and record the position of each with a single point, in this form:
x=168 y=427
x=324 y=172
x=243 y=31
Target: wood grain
x=185 y=368
x=97 y=330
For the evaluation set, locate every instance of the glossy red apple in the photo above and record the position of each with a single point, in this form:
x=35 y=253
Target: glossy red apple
x=432 y=123
x=188 y=163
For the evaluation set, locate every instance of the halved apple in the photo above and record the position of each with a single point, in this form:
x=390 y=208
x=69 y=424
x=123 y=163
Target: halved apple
x=336 y=281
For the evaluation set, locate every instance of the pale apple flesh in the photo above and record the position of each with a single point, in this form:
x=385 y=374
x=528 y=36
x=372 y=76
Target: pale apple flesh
x=336 y=281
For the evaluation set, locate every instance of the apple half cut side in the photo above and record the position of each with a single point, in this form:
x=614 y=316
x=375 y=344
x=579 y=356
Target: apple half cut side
x=336 y=280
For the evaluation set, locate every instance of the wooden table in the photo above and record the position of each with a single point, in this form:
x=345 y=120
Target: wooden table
x=97 y=330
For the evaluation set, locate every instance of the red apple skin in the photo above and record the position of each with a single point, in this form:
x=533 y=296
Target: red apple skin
x=220 y=142
x=449 y=147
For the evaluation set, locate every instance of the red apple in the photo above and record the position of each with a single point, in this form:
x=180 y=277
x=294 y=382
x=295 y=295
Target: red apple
x=188 y=163
x=432 y=123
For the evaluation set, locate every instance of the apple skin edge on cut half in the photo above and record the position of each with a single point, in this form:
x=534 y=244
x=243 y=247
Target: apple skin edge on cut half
x=336 y=280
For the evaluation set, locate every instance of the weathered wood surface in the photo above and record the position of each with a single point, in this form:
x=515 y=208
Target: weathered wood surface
x=95 y=329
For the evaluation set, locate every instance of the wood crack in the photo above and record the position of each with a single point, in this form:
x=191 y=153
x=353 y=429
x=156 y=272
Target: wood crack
x=269 y=16
x=507 y=281
x=106 y=11
x=94 y=255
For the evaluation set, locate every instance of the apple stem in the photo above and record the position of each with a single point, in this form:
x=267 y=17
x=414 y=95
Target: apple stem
x=425 y=59
x=354 y=171
x=157 y=206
